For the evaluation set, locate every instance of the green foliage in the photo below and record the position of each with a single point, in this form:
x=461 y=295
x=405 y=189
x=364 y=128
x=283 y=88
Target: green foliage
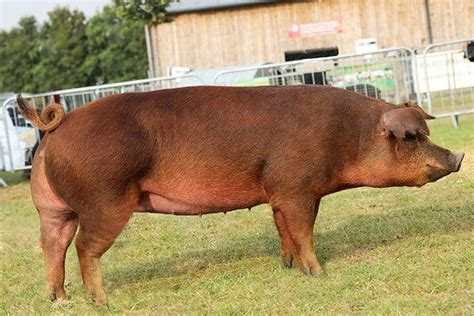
x=69 y=51
x=62 y=51
x=18 y=54
x=116 y=48
x=147 y=11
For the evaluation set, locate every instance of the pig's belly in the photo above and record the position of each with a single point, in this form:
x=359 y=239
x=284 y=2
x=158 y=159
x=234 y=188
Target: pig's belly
x=199 y=197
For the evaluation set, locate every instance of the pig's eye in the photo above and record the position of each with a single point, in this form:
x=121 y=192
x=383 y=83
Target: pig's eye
x=410 y=137
x=392 y=136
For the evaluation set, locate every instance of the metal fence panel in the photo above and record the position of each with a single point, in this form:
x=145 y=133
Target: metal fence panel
x=385 y=74
x=74 y=98
x=446 y=79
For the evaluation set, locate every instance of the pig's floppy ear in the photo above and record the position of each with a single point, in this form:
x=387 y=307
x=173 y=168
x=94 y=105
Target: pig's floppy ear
x=425 y=115
x=404 y=121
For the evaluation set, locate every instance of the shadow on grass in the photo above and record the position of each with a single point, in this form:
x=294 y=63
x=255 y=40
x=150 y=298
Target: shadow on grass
x=358 y=234
x=365 y=232
x=13 y=178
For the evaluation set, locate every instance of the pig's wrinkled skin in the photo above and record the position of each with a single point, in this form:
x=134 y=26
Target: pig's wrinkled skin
x=201 y=150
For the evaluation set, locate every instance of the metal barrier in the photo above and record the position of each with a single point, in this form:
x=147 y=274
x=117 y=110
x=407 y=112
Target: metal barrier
x=18 y=137
x=385 y=74
x=446 y=79
x=74 y=98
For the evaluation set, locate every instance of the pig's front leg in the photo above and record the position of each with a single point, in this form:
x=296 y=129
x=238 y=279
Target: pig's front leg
x=295 y=217
x=288 y=253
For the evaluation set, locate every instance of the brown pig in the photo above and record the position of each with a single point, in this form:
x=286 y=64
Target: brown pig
x=201 y=150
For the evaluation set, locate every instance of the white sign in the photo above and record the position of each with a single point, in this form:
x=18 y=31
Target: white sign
x=366 y=45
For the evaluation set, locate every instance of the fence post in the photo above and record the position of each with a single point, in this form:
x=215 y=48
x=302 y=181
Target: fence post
x=452 y=85
x=7 y=135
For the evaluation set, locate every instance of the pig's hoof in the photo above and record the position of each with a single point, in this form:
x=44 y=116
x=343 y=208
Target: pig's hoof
x=287 y=259
x=313 y=270
x=99 y=299
x=52 y=296
x=55 y=296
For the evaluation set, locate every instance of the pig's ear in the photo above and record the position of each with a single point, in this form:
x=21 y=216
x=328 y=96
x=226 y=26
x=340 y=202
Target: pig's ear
x=403 y=122
x=425 y=115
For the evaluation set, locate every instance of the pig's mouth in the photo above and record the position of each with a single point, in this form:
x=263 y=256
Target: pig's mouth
x=437 y=172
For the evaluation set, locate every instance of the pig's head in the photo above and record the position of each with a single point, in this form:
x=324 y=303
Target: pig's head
x=402 y=154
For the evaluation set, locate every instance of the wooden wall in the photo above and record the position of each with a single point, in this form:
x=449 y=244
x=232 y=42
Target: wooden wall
x=258 y=34
x=452 y=19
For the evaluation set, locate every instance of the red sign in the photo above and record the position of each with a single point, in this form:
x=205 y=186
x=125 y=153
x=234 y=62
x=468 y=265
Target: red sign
x=313 y=29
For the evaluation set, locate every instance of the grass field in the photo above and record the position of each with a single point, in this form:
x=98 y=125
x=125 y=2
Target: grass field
x=390 y=251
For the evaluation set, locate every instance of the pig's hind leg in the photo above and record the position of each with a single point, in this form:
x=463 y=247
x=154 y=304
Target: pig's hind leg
x=98 y=229
x=57 y=232
x=58 y=224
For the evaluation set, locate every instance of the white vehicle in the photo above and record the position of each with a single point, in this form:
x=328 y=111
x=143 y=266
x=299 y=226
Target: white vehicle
x=15 y=138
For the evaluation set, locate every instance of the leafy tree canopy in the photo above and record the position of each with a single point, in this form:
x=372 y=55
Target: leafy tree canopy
x=116 y=48
x=69 y=51
x=147 y=11
x=62 y=50
x=18 y=54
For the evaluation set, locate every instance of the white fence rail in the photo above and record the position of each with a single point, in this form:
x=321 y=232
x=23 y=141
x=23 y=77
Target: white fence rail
x=74 y=98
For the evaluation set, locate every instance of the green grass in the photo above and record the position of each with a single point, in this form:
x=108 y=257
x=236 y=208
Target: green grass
x=12 y=178
x=389 y=251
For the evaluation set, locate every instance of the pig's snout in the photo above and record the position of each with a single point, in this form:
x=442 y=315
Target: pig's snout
x=451 y=163
x=457 y=158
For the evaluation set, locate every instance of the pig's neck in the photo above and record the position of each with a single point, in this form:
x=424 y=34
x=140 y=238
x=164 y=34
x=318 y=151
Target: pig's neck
x=367 y=173
x=368 y=168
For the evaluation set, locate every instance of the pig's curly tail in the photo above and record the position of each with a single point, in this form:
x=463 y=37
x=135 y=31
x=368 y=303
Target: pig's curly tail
x=48 y=120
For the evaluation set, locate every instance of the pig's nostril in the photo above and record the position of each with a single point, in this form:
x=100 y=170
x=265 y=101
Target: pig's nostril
x=459 y=157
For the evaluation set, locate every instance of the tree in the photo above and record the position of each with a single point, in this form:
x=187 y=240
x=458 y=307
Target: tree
x=62 y=49
x=116 y=48
x=68 y=51
x=18 y=54
x=148 y=11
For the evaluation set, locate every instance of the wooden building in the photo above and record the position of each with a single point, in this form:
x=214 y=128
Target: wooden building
x=220 y=33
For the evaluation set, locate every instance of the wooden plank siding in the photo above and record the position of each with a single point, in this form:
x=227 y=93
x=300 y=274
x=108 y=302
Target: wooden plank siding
x=257 y=34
